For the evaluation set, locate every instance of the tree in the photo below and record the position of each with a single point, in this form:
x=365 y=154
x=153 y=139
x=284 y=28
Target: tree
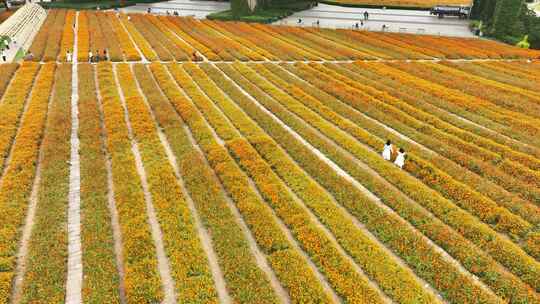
x=506 y=21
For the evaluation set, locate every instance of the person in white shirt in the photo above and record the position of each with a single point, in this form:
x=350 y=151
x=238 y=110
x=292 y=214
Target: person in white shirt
x=68 y=56
x=387 y=151
x=90 y=57
x=400 y=159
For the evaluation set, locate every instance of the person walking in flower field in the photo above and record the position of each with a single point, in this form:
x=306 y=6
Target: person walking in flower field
x=400 y=159
x=387 y=150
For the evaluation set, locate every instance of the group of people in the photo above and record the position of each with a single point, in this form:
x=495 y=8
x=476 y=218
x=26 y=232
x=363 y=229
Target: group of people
x=388 y=151
x=175 y=13
x=95 y=57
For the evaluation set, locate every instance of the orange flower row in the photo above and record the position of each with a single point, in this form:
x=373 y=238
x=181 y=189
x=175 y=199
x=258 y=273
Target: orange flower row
x=387 y=227
x=379 y=185
x=138 y=39
x=48 y=245
x=182 y=243
x=67 y=36
x=377 y=263
x=127 y=46
x=258 y=217
x=142 y=281
x=83 y=37
x=19 y=176
x=101 y=279
x=12 y=106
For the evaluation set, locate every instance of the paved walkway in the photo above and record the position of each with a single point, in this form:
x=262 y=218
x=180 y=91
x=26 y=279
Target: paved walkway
x=406 y=21
x=197 y=9
x=75 y=265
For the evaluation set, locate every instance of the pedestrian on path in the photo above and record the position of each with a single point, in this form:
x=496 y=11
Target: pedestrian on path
x=366 y=15
x=400 y=159
x=4 y=58
x=68 y=56
x=299 y=20
x=96 y=57
x=90 y=57
x=105 y=56
x=387 y=150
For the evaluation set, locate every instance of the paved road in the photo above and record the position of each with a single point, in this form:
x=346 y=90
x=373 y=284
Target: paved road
x=198 y=9
x=396 y=20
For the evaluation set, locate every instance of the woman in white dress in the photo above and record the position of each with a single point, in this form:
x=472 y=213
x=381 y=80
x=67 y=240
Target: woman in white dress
x=400 y=159
x=387 y=151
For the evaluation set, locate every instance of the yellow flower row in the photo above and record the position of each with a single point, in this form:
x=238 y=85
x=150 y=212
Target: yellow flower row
x=142 y=281
x=258 y=217
x=54 y=37
x=12 y=106
x=527 y=210
x=101 y=279
x=189 y=265
x=19 y=177
x=473 y=202
x=139 y=40
x=48 y=244
x=83 y=37
x=112 y=43
x=127 y=46
x=154 y=38
x=67 y=35
x=41 y=39
x=414 y=166
x=404 y=241
x=185 y=48
x=205 y=51
x=374 y=261
x=483 y=168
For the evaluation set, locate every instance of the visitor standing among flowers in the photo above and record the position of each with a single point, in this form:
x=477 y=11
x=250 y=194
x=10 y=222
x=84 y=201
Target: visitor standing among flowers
x=387 y=150
x=400 y=159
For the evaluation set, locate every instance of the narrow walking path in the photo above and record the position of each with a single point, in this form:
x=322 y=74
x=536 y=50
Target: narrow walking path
x=75 y=266
x=163 y=262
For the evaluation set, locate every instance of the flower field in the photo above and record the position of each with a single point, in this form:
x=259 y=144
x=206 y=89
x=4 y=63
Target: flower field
x=276 y=173
x=256 y=175
x=165 y=38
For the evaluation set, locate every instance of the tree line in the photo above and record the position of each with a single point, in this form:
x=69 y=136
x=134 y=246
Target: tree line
x=508 y=20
